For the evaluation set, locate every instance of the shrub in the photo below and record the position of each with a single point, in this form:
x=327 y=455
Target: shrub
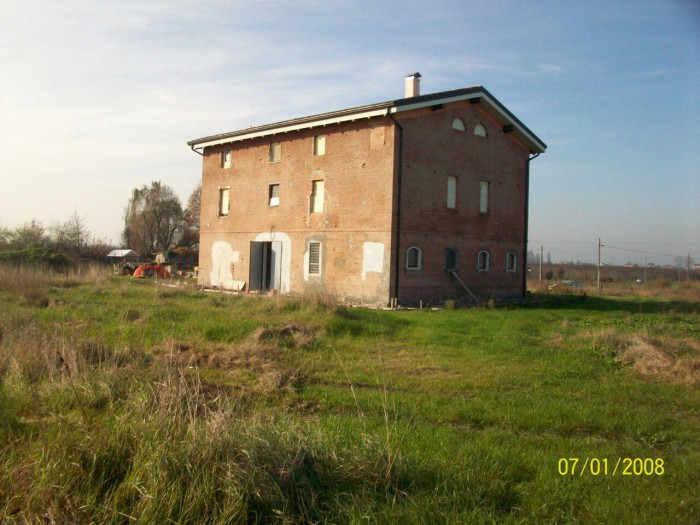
x=36 y=255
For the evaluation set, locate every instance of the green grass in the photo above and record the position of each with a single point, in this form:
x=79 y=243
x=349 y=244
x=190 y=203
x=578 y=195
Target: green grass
x=124 y=402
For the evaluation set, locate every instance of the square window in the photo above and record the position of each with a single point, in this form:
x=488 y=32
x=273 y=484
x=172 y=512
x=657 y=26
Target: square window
x=226 y=159
x=224 y=202
x=320 y=145
x=314 y=258
x=275 y=151
x=451 y=192
x=317 y=196
x=483 y=196
x=274 y=194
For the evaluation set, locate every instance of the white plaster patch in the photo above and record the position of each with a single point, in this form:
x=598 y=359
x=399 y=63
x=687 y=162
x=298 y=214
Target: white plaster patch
x=306 y=265
x=372 y=258
x=223 y=259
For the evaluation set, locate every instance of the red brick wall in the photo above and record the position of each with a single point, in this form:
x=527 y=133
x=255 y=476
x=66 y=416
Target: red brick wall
x=358 y=172
x=360 y=207
x=432 y=151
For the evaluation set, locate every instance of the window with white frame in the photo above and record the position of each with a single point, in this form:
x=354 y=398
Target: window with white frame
x=319 y=145
x=226 y=158
x=224 y=203
x=414 y=259
x=483 y=196
x=274 y=194
x=450 y=260
x=451 y=192
x=482 y=261
x=314 y=258
x=480 y=130
x=458 y=124
x=275 y=151
x=511 y=262
x=317 y=196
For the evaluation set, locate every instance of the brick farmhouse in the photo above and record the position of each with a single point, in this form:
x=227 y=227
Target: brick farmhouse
x=420 y=198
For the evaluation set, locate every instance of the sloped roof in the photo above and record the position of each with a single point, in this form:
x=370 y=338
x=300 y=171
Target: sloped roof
x=474 y=93
x=122 y=253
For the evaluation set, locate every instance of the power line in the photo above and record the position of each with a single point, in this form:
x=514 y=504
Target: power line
x=643 y=252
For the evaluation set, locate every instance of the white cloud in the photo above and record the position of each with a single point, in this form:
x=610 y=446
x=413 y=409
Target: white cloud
x=551 y=68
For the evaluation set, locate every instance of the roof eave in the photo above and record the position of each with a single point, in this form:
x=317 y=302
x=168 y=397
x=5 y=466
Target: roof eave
x=494 y=108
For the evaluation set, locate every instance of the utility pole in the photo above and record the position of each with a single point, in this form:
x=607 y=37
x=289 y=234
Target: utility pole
x=687 y=270
x=645 y=270
x=598 y=264
x=541 y=257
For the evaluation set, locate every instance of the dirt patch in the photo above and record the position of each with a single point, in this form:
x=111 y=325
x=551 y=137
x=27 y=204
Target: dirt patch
x=670 y=359
x=259 y=359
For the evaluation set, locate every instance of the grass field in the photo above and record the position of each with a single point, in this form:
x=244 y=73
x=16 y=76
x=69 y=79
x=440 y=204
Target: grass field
x=126 y=402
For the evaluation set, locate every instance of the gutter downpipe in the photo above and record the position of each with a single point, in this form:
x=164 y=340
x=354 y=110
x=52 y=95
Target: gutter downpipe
x=527 y=211
x=397 y=262
x=197 y=152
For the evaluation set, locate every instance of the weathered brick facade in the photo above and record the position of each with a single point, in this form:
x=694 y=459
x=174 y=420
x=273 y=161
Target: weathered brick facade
x=371 y=154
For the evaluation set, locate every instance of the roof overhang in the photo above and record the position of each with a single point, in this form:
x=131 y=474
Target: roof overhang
x=325 y=119
x=479 y=94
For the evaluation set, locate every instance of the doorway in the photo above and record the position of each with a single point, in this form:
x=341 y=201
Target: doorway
x=265 y=265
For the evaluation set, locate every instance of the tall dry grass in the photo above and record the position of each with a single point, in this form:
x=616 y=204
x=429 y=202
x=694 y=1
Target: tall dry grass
x=92 y=432
x=32 y=282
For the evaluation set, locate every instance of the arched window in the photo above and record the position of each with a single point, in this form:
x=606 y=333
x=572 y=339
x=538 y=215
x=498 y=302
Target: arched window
x=414 y=259
x=483 y=261
x=511 y=262
x=458 y=124
x=480 y=130
x=450 y=260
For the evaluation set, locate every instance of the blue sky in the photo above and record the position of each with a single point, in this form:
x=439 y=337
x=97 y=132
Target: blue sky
x=97 y=98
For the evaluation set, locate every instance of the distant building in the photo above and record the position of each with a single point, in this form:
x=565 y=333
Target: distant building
x=413 y=199
x=122 y=256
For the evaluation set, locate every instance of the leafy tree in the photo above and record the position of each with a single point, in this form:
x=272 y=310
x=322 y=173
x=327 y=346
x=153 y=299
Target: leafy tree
x=153 y=219
x=30 y=233
x=190 y=231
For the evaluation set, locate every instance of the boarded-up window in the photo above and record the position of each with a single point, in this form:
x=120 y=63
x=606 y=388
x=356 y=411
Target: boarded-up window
x=275 y=151
x=450 y=260
x=320 y=145
x=274 y=194
x=226 y=158
x=483 y=196
x=511 y=262
x=451 y=192
x=314 y=258
x=317 y=196
x=458 y=124
x=483 y=261
x=414 y=258
x=224 y=204
x=480 y=130
x=377 y=137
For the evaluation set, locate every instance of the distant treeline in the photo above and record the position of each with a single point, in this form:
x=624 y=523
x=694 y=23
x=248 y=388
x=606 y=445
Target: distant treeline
x=608 y=274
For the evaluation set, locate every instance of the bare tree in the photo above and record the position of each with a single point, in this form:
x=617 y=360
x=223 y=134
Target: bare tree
x=73 y=236
x=190 y=230
x=153 y=219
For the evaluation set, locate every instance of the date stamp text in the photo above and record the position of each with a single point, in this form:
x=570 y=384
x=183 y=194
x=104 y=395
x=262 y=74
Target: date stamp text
x=604 y=467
